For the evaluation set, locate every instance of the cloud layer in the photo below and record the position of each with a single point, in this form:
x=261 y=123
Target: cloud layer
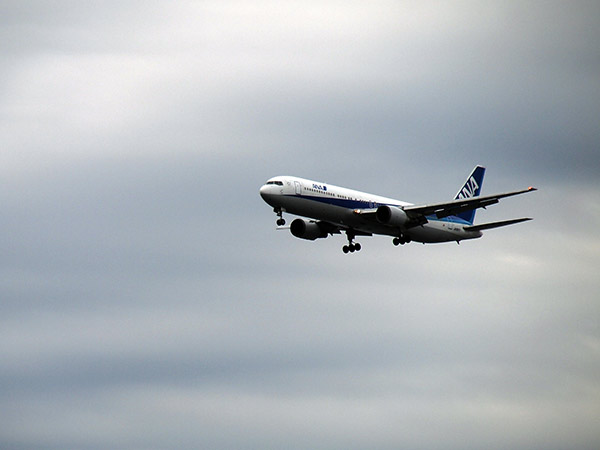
x=147 y=300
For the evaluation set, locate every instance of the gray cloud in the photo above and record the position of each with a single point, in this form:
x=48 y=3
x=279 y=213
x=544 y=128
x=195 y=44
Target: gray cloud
x=147 y=300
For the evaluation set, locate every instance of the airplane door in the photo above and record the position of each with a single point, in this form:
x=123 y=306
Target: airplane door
x=298 y=188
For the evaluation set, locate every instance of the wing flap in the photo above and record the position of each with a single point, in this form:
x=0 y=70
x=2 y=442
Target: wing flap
x=328 y=227
x=332 y=228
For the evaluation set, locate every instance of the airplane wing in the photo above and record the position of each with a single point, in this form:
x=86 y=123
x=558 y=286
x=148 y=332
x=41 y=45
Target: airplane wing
x=333 y=228
x=441 y=210
x=328 y=227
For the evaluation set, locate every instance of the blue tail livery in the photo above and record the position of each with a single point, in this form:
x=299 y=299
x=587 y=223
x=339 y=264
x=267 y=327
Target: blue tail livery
x=471 y=188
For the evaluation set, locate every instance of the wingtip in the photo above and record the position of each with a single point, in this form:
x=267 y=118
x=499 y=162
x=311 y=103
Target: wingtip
x=531 y=188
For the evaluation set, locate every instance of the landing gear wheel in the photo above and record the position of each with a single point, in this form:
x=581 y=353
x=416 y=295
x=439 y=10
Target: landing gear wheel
x=400 y=240
x=351 y=247
x=280 y=222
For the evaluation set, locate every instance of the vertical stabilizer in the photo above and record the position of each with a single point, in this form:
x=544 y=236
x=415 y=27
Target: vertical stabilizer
x=471 y=188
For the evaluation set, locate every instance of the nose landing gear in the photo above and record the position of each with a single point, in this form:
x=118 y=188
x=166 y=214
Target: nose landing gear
x=281 y=221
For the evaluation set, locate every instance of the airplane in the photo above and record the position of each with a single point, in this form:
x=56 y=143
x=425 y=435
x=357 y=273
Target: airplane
x=333 y=210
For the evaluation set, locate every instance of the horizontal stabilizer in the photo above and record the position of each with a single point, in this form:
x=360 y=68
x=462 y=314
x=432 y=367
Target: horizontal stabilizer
x=488 y=226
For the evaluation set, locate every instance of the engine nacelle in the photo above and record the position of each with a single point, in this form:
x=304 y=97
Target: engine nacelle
x=304 y=229
x=391 y=215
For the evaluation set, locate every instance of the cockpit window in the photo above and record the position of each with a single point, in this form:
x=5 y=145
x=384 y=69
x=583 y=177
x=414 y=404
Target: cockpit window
x=278 y=183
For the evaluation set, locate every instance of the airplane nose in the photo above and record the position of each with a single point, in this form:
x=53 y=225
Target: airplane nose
x=264 y=190
x=267 y=193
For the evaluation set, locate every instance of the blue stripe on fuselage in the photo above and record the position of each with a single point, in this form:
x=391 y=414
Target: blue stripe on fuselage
x=341 y=202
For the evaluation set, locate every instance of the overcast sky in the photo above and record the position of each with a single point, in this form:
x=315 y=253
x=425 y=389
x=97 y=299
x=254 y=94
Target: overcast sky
x=146 y=299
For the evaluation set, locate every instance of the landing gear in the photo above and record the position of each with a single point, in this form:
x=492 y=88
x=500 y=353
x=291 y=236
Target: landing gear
x=281 y=221
x=401 y=240
x=352 y=246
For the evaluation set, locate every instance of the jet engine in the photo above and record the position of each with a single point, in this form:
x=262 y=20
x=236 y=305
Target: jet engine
x=304 y=229
x=391 y=215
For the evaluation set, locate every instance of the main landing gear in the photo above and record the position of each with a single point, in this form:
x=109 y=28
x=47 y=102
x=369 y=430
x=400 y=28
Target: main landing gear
x=281 y=221
x=401 y=240
x=352 y=246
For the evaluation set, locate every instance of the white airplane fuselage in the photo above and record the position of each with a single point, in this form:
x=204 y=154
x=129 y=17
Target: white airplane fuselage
x=348 y=209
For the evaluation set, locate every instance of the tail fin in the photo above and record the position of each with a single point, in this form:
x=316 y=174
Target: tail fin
x=471 y=188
